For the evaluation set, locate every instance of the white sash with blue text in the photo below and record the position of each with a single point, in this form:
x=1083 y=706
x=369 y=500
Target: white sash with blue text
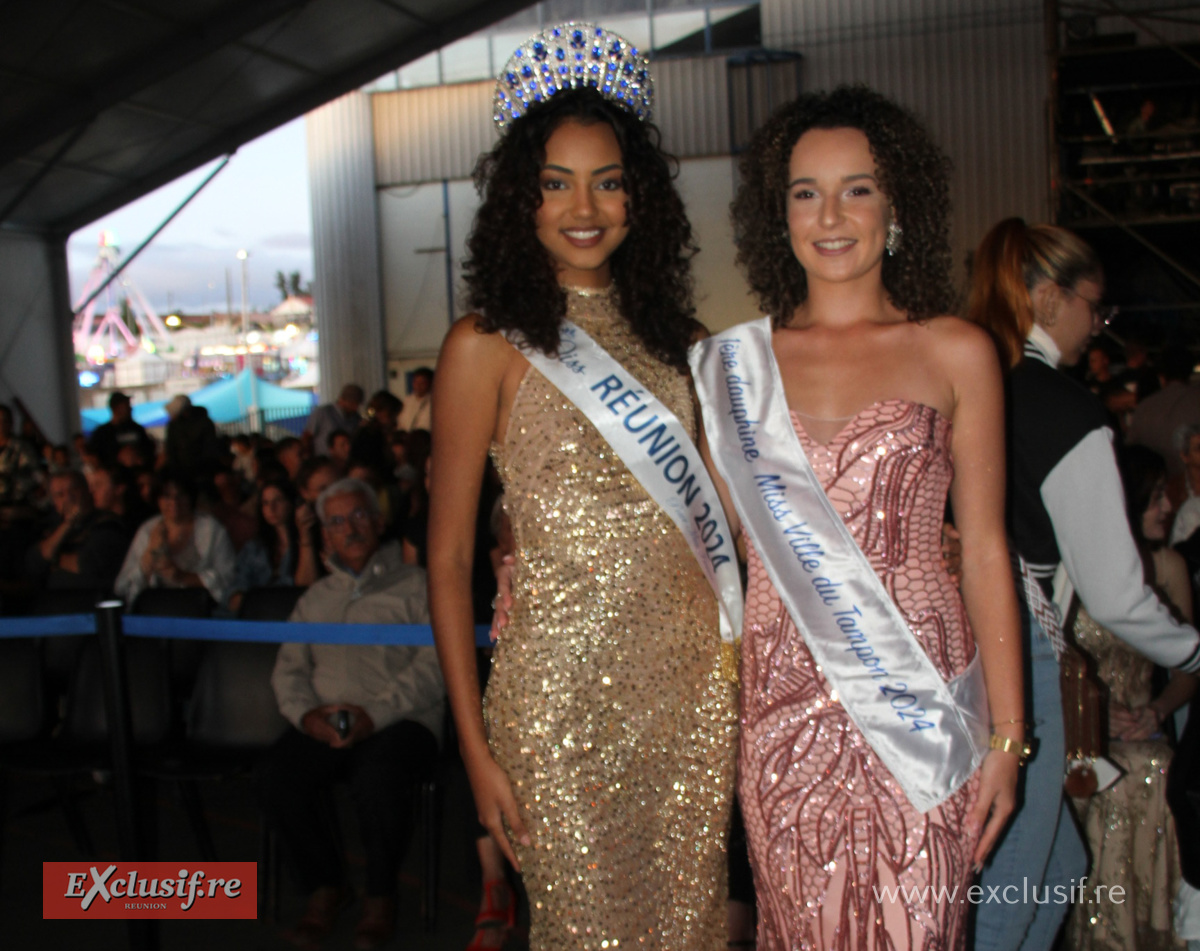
x=659 y=452
x=930 y=734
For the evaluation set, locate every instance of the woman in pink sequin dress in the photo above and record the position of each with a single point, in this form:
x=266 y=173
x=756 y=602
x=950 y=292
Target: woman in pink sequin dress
x=842 y=224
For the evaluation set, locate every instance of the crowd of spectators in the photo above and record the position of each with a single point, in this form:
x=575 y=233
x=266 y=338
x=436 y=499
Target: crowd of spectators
x=340 y=510
x=120 y=511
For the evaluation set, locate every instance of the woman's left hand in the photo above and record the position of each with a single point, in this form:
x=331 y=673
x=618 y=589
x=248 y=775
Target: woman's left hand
x=997 y=799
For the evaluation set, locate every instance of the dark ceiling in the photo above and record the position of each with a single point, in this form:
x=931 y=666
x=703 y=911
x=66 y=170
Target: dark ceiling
x=102 y=101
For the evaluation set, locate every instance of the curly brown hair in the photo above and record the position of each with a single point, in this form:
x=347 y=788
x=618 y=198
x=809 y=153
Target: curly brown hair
x=913 y=174
x=510 y=277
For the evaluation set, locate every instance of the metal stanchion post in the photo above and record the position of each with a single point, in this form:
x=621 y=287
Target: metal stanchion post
x=143 y=934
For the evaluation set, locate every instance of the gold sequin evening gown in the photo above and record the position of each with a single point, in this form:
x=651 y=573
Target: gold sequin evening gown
x=606 y=706
x=1128 y=826
x=829 y=827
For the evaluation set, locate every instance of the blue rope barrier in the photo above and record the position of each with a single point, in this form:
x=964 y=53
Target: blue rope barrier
x=218 y=629
x=56 y=625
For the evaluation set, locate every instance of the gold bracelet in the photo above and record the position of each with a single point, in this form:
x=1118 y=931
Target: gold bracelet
x=1006 y=744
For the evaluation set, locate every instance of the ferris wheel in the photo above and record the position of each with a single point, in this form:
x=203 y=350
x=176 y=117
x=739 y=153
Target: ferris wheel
x=111 y=337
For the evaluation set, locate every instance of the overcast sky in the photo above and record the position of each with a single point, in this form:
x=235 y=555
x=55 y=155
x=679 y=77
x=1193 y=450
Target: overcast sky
x=258 y=202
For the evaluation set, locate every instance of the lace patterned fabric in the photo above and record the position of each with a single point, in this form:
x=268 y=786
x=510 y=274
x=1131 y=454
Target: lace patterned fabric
x=606 y=705
x=828 y=825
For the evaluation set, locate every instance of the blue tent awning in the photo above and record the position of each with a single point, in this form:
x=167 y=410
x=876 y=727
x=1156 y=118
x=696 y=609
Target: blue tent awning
x=227 y=401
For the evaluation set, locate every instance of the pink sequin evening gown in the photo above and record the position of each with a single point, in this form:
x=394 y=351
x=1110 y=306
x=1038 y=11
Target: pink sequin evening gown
x=829 y=827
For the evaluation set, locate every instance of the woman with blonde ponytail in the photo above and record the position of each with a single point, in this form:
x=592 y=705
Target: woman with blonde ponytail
x=1038 y=290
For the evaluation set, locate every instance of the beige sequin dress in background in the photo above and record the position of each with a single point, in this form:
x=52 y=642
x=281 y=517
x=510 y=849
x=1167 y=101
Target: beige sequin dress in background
x=1128 y=827
x=606 y=705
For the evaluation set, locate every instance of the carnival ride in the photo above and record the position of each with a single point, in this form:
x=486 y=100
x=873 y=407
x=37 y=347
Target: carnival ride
x=111 y=337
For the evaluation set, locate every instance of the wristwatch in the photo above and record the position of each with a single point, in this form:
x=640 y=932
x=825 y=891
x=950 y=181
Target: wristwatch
x=1021 y=749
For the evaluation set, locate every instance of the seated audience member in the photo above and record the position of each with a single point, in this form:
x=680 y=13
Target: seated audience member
x=84 y=545
x=58 y=458
x=226 y=507
x=277 y=554
x=109 y=438
x=116 y=490
x=370 y=714
x=180 y=548
x=342 y=414
x=315 y=477
x=339 y=450
x=372 y=442
x=289 y=453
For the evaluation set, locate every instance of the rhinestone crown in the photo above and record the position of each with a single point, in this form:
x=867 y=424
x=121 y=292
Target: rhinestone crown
x=573 y=56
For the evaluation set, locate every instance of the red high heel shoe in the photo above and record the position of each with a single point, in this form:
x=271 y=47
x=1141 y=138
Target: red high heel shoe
x=494 y=917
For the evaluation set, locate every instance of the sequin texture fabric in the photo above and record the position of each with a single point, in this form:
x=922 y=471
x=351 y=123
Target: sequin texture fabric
x=606 y=705
x=829 y=827
x=1128 y=827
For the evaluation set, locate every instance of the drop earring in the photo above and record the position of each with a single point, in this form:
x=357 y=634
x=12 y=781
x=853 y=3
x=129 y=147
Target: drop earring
x=894 y=235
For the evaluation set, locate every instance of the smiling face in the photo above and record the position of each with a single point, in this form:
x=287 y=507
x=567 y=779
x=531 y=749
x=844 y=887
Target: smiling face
x=582 y=219
x=836 y=213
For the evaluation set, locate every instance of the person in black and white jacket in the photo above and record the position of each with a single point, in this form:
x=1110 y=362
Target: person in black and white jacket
x=1039 y=291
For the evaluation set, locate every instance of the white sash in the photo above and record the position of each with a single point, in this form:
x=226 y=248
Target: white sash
x=930 y=734
x=659 y=452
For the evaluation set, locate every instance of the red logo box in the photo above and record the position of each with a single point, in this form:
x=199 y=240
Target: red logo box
x=108 y=890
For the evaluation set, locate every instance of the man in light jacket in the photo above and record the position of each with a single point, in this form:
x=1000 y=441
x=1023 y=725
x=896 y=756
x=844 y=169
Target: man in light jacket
x=369 y=714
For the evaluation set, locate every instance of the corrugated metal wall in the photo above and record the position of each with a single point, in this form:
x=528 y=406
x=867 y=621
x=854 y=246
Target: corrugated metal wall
x=426 y=135
x=975 y=70
x=341 y=168
x=435 y=133
x=692 y=108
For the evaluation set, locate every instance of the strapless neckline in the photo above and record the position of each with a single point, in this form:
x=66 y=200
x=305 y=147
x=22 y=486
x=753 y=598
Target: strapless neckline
x=849 y=421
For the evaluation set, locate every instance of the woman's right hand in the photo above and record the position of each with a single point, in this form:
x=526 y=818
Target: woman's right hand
x=497 y=805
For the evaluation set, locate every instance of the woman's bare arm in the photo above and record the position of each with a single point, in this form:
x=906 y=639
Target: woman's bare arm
x=467 y=403
x=989 y=594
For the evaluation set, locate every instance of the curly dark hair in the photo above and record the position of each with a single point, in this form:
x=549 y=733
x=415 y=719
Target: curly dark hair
x=913 y=174
x=511 y=279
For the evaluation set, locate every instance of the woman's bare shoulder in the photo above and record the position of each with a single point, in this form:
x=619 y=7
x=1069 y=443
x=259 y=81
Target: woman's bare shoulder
x=961 y=344
x=468 y=343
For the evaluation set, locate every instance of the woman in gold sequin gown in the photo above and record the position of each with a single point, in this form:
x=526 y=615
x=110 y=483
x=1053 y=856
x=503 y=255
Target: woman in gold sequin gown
x=605 y=771
x=841 y=224
x=1129 y=828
